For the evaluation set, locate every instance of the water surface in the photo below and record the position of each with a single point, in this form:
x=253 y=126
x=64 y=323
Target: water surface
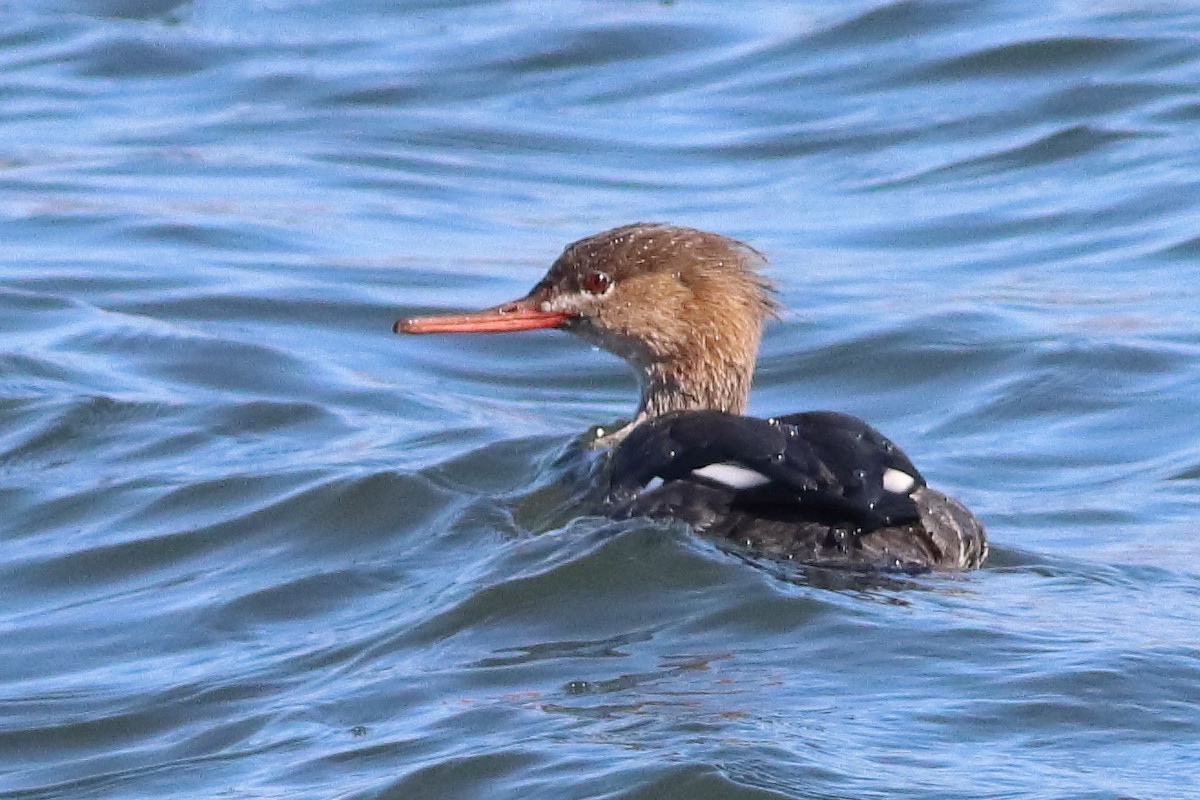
x=255 y=546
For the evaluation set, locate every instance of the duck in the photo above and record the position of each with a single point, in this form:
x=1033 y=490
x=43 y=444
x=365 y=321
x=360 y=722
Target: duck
x=686 y=309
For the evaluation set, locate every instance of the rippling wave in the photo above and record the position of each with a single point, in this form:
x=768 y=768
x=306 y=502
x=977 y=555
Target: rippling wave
x=257 y=546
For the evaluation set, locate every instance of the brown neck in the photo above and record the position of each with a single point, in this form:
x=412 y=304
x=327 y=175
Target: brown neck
x=710 y=370
x=718 y=382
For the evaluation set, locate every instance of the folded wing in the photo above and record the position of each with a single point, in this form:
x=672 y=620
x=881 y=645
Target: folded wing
x=816 y=466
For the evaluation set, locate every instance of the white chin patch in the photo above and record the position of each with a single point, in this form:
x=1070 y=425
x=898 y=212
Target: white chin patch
x=898 y=482
x=654 y=483
x=733 y=476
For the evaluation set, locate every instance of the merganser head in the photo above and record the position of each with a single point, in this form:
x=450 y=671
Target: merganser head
x=684 y=307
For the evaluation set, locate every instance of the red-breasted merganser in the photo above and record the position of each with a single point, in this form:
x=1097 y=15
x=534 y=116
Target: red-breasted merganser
x=686 y=310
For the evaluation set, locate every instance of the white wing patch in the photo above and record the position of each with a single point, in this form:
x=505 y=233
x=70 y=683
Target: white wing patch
x=898 y=482
x=734 y=476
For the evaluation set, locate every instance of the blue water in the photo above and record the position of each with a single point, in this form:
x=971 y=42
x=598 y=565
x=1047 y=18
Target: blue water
x=256 y=546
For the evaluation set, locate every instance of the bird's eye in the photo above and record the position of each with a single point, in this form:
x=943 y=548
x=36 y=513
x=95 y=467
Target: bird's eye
x=596 y=282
